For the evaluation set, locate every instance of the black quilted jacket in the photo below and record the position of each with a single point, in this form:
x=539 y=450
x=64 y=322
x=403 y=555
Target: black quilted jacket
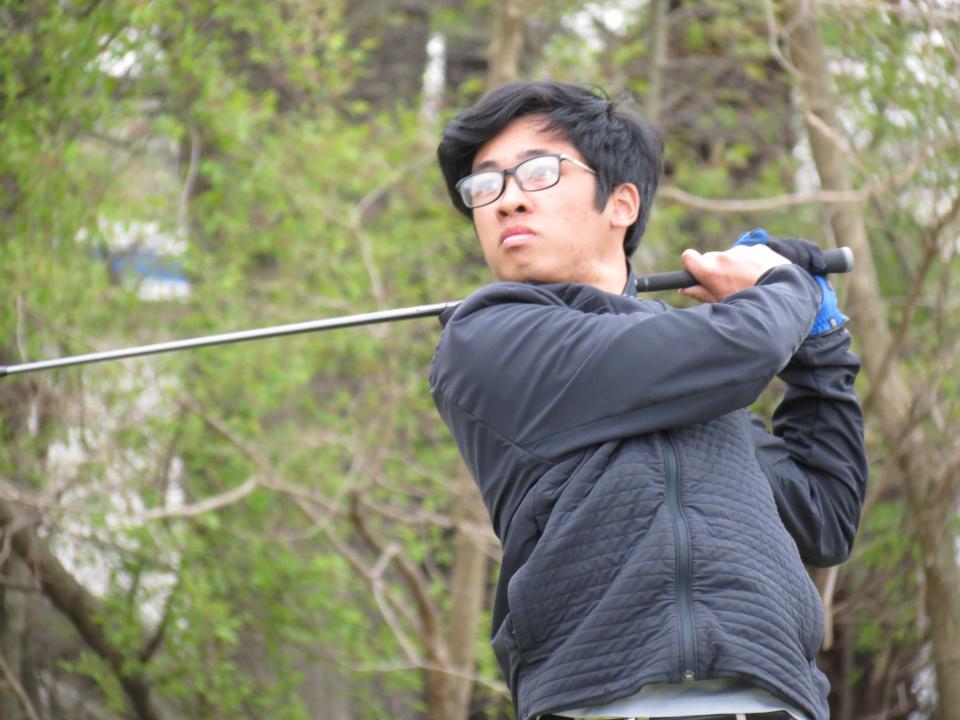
x=652 y=529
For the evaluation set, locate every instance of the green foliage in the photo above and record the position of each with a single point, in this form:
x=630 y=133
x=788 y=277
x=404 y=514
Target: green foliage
x=884 y=569
x=231 y=130
x=278 y=231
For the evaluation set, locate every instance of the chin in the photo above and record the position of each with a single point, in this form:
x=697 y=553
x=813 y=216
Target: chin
x=530 y=273
x=523 y=277
x=511 y=274
x=513 y=271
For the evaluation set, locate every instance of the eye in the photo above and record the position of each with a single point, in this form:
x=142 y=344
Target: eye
x=484 y=185
x=539 y=172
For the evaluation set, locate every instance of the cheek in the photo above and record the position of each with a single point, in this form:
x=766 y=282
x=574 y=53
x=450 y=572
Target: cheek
x=579 y=224
x=487 y=231
x=483 y=226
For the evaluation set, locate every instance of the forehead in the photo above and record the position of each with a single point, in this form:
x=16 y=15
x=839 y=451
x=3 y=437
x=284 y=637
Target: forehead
x=522 y=138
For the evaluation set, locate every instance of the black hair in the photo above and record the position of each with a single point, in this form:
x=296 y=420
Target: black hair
x=619 y=145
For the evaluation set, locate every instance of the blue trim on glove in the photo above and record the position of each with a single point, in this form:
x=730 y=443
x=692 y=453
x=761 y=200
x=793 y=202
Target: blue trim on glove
x=757 y=236
x=829 y=316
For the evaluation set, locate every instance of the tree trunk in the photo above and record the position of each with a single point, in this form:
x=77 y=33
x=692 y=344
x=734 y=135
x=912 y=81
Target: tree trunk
x=13 y=628
x=927 y=504
x=467 y=588
x=506 y=43
x=82 y=609
x=659 y=38
x=394 y=68
x=449 y=683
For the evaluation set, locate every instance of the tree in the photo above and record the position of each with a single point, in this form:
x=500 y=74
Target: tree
x=222 y=532
x=930 y=487
x=193 y=585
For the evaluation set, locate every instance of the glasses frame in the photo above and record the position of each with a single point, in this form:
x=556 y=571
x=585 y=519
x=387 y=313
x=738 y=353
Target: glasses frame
x=513 y=171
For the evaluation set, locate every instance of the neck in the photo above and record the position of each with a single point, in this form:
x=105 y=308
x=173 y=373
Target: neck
x=610 y=277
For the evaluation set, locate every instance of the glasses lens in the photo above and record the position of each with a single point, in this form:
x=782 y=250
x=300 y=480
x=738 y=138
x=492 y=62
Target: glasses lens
x=539 y=173
x=480 y=189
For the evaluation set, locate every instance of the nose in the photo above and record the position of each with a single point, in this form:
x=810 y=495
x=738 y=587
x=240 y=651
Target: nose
x=513 y=199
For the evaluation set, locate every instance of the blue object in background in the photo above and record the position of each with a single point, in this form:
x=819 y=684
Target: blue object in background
x=155 y=276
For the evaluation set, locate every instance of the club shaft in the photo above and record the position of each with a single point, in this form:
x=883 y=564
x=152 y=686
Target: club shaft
x=840 y=260
x=370 y=318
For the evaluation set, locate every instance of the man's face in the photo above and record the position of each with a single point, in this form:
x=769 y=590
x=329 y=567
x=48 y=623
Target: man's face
x=551 y=235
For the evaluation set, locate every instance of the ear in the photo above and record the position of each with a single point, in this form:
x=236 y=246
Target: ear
x=624 y=205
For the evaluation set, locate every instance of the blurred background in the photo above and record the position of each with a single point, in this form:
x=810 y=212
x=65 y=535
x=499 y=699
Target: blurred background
x=284 y=529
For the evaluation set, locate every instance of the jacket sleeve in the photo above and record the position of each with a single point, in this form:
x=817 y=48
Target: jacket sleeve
x=815 y=458
x=552 y=379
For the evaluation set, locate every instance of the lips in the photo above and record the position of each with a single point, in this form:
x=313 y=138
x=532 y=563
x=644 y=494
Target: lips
x=514 y=235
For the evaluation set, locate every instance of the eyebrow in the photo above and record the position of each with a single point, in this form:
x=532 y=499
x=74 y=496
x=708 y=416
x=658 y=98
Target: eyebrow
x=525 y=155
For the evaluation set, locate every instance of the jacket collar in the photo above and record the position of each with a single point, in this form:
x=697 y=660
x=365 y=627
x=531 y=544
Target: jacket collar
x=630 y=289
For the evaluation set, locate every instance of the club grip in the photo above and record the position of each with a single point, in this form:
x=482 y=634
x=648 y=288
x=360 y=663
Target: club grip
x=837 y=261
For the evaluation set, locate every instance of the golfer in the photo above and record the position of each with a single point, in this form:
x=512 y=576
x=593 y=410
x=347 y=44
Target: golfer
x=654 y=531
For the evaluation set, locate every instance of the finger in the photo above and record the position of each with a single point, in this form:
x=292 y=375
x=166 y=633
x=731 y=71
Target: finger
x=695 y=264
x=699 y=293
x=701 y=266
x=692 y=262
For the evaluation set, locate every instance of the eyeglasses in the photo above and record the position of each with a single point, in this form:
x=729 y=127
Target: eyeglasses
x=537 y=173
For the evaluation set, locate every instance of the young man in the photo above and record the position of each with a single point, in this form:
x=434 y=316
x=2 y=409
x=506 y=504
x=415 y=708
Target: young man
x=654 y=533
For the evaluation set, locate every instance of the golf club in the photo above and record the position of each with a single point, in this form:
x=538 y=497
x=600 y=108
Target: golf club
x=837 y=261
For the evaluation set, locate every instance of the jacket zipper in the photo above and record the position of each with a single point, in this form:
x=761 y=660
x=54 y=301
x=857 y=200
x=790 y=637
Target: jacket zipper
x=681 y=534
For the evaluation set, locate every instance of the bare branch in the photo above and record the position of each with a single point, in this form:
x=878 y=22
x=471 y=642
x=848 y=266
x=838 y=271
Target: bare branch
x=162 y=477
x=409 y=515
x=417 y=584
x=18 y=690
x=84 y=611
x=480 y=533
x=183 y=210
x=15 y=525
x=21 y=345
x=373 y=272
x=354 y=559
x=377 y=585
x=932 y=246
x=216 y=502
x=305 y=501
x=117 y=143
x=893 y=348
x=356 y=562
x=829 y=610
x=358 y=218
x=156 y=640
x=834 y=137
x=277 y=484
x=778 y=202
x=269 y=478
x=896 y=9
x=498 y=687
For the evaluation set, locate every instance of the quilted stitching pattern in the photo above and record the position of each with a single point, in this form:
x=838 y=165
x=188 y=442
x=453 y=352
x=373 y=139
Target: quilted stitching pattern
x=594 y=606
